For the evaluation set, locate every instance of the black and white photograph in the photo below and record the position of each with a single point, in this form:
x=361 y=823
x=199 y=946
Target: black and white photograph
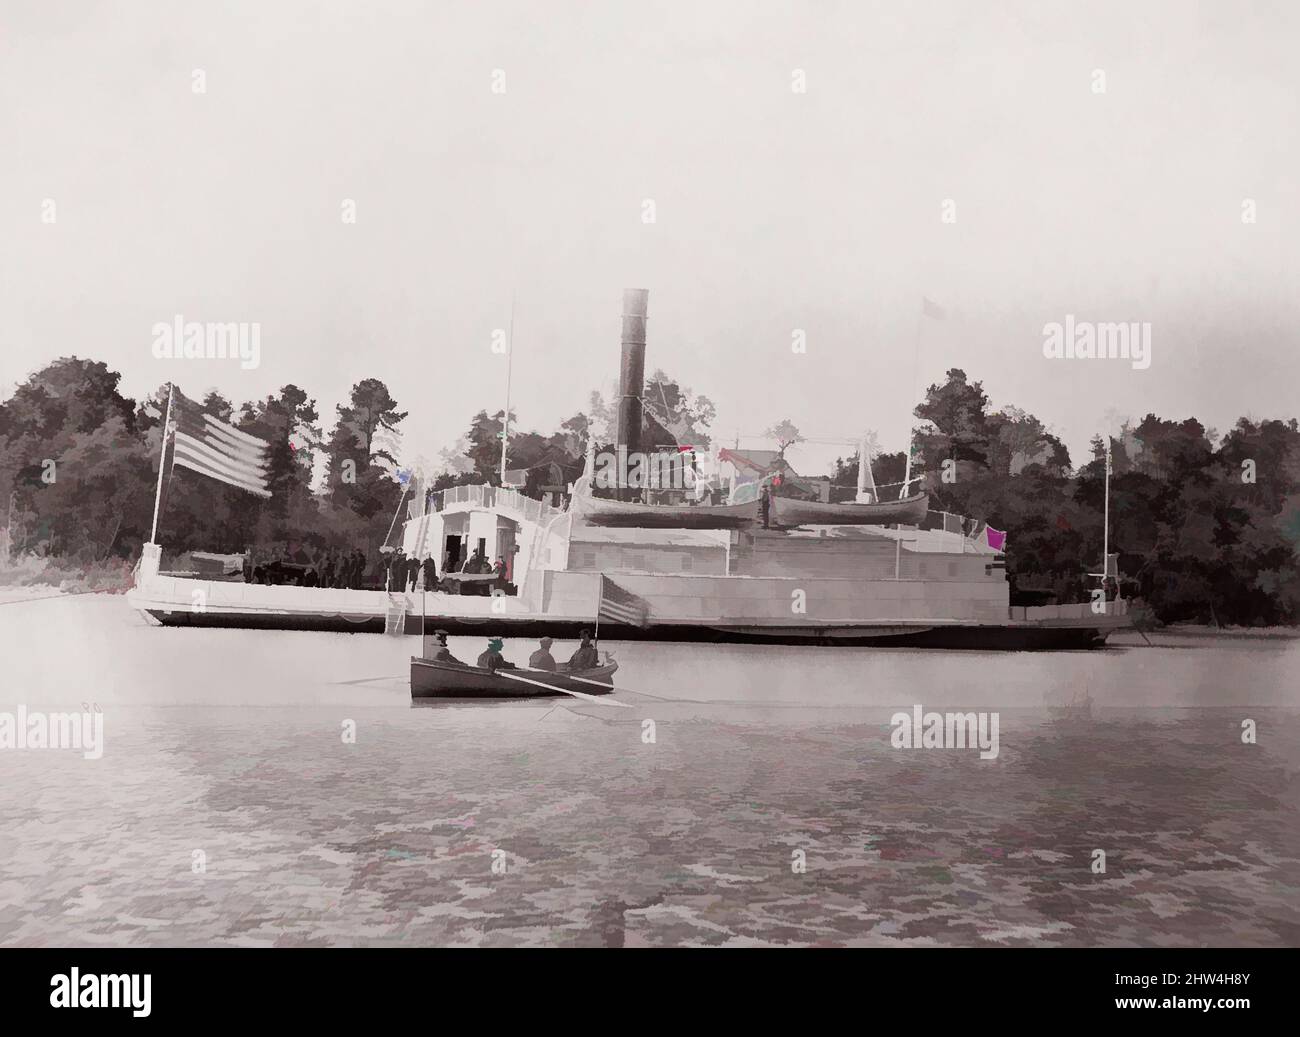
x=747 y=476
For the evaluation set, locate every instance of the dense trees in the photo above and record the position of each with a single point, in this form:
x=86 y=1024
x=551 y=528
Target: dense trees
x=1204 y=532
x=75 y=473
x=1207 y=527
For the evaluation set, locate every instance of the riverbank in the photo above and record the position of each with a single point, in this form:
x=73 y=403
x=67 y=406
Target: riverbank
x=31 y=578
x=1201 y=630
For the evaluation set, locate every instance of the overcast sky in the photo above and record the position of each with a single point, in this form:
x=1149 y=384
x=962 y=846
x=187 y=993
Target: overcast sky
x=775 y=210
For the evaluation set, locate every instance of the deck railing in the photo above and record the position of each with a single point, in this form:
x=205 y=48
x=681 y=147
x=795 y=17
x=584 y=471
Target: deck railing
x=486 y=496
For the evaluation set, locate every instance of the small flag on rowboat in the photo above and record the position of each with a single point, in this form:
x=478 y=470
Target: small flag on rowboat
x=209 y=446
x=620 y=606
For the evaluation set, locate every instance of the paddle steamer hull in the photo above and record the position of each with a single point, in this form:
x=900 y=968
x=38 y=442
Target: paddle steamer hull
x=1049 y=633
x=870 y=586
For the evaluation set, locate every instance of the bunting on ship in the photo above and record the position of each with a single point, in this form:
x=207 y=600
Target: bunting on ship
x=210 y=447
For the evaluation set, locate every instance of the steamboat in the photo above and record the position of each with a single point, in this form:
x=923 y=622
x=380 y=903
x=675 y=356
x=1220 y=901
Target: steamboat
x=872 y=571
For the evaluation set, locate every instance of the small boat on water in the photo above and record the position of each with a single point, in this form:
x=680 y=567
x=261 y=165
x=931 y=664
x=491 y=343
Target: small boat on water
x=910 y=511
x=598 y=511
x=439 y=680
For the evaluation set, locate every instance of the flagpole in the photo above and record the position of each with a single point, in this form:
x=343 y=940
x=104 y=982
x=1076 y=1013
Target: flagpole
x=916 y=378
x=162 y=461
x=1105 y=528
x=505 y=422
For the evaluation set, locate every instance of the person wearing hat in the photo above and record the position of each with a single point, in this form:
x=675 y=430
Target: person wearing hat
x=443 y=653
x=397 y=570
x=542 y=658
x=492 y=659
x=585 y=658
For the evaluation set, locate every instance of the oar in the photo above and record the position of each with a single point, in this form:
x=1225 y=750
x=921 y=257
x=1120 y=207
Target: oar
x=585 y=680
x=565 y=691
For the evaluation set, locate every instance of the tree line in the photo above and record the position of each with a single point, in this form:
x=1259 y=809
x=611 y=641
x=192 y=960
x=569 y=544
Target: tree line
x=79 y=464
x=1206 y=526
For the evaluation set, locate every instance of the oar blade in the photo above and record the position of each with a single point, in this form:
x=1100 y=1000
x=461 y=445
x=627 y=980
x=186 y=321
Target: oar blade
x=564 y=691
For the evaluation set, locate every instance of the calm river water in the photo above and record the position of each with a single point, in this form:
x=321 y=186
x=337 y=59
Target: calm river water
x=770 y=808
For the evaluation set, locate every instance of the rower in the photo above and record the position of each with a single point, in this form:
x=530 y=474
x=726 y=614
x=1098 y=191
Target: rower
x=442 y=653
x=492 y=659
x=542 y=658
x=586 y=657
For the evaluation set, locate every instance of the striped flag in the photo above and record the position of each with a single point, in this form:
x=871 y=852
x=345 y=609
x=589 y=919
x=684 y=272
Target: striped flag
x=210 y=447
x=620 y=606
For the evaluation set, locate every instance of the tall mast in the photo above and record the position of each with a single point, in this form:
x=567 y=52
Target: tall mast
x=505 y=421
x=916 y=390
x=162 y=460
x=1105 y=525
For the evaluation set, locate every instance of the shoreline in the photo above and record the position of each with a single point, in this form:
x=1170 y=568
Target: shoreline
x=1204 y=630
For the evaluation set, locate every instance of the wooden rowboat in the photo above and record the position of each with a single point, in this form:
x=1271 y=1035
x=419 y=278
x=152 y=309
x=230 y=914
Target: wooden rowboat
x=598 y=511
x=438 y=680
x=910 y=511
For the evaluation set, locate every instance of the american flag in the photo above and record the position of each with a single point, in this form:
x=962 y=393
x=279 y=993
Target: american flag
x=621 y=606
x=210 y=447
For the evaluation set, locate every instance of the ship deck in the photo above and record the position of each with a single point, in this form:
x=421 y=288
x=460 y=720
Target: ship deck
x=177 y=601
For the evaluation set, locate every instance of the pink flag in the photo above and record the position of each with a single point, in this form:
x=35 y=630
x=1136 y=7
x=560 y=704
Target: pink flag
x=997 y=540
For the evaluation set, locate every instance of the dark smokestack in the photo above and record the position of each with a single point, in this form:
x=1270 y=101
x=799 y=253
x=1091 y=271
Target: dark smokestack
x=631 y=379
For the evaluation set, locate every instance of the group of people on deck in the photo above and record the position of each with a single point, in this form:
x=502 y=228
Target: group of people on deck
x=477 y=564
x=584 y=658
x=404 y=573
x=350 y=569
x=301 y=566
